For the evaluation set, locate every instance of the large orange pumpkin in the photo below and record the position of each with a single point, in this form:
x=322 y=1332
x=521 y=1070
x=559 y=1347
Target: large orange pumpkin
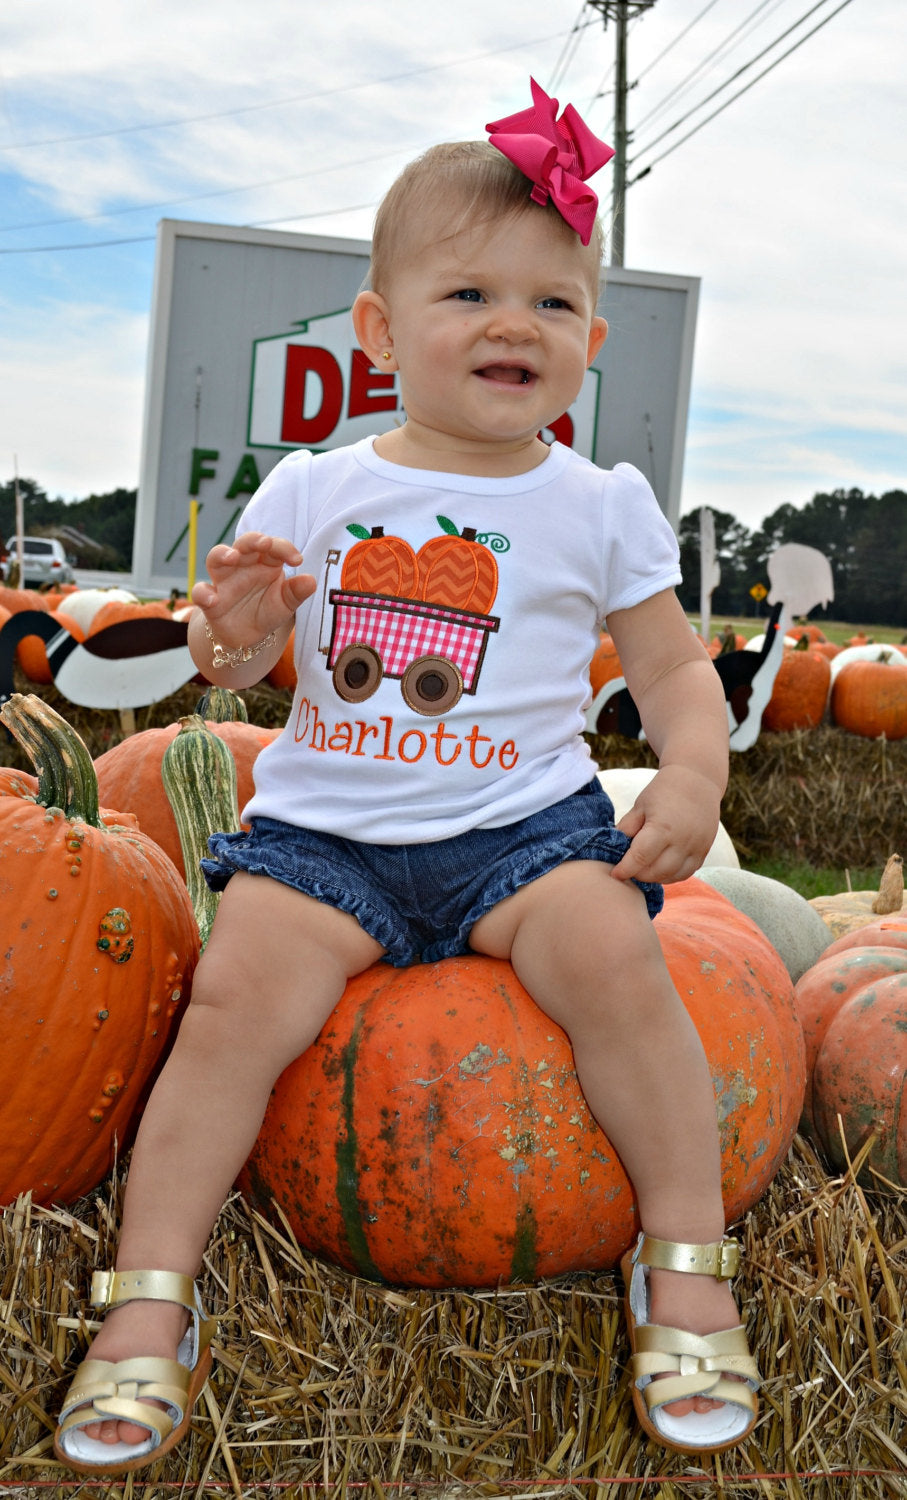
x=15 y=599
x=605 y=664
x=117 y=610
x=283 y=672
x=129 y=775
x=100 y=943
x=436 y=1135
x=800 y=690
x=870 y=698
x=853 y=1009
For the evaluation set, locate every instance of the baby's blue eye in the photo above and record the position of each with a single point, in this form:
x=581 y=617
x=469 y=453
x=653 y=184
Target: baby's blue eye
x=468 y=294
x=553 y=302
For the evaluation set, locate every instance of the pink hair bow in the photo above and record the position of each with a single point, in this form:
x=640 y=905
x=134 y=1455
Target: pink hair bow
x=556 y=154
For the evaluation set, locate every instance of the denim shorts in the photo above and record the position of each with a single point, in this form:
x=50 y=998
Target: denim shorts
x=420 y=901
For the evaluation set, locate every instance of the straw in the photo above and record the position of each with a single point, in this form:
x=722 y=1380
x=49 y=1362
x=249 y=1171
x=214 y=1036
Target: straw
x=327 y=1384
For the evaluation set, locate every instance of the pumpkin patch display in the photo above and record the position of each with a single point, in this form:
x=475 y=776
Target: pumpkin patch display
x=853 y=1009
x=100 y=944
x=435 y=1133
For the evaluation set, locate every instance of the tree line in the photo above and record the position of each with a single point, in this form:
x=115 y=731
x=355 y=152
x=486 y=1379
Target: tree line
x=863 y=536
x=107 y=523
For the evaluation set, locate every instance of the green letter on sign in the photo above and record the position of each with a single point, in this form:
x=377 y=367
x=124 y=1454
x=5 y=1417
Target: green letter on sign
x=245 y=480
x=200 y=469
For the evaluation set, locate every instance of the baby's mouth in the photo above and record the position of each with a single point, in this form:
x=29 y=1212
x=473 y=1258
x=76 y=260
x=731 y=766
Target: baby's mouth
x=506 y=374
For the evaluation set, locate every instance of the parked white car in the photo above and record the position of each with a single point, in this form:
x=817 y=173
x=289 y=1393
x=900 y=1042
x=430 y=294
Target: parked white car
x=45 y=561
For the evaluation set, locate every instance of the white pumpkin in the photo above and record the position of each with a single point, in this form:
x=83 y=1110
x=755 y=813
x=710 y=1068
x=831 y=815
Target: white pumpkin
x=624 y=784
x=875 y=651
x=795 y=930
x=83 y=605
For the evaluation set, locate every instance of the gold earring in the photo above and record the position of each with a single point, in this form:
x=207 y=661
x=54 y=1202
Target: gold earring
x=386 y=354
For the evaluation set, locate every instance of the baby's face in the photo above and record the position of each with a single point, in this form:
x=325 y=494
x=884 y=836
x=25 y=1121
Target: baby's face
x=492 y=330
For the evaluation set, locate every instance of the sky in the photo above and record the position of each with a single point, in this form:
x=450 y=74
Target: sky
x=778 y=180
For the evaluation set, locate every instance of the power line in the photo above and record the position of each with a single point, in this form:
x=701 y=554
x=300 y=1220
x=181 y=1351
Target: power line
x=147 y=239
x=679 y=37
x=245 y=109
x=723 y=47
x=734 y=76
x=740 y=92
x=253 y=187
x=568 y=52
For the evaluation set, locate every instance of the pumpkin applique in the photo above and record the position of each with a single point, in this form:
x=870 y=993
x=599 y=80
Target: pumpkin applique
x=457 y=570
x=380 y=564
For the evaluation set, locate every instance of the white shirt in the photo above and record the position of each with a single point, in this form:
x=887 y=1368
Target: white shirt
x=572 y=543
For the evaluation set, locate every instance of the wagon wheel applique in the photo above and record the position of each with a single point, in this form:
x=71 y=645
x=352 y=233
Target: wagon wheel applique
x=422 y=617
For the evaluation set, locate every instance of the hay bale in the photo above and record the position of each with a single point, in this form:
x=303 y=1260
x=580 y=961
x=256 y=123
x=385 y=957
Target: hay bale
x=324 y=1380
x=817 y=795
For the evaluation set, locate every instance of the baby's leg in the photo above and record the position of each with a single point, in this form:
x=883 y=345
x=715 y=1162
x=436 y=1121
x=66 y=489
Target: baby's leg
x=275 y=967
x=583 y=946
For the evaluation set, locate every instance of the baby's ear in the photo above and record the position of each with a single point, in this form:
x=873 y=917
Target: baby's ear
x=372 y=327
x=597 y=335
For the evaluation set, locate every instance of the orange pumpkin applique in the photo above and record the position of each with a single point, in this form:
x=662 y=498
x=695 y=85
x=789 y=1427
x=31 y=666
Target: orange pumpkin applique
x=380 y=564
x=458 y=571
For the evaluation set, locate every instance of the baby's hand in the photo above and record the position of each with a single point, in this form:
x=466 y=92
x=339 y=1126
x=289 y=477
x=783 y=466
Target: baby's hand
x=249 y=594
x=672 y=824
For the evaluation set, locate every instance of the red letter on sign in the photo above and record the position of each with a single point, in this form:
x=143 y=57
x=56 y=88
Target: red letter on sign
x=562 y=427
x=364 y=379
x=297 y=428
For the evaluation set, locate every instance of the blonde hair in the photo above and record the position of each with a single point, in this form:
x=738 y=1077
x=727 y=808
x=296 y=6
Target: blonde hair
x=463 y=184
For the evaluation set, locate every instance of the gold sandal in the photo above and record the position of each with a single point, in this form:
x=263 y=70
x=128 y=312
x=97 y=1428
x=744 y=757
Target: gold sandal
x=691 y=1364
x=103 y=1392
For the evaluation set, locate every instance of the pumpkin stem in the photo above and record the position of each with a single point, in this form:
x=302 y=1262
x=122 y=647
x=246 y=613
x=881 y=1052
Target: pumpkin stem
x=891 y=888
x=199 y=776
x=220 y=705
x=65 y=771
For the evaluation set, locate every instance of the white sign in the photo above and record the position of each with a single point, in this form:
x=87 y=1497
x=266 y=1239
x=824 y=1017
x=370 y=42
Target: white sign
x=253 y=354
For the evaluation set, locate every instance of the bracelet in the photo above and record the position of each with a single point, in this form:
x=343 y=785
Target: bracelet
x=221 y=657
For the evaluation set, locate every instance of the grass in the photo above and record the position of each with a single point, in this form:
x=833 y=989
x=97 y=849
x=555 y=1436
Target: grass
x=837 y=631
x=812 y=880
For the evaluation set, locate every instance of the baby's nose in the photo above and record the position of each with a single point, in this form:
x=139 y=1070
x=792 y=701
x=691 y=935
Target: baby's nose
x=513 y=325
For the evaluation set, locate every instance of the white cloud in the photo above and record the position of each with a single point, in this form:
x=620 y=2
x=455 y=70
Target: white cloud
x=789 y=206
x=73 y=390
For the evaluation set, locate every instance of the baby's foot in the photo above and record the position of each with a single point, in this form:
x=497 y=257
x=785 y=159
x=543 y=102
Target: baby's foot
x=698 y=1304
x=132 y=1330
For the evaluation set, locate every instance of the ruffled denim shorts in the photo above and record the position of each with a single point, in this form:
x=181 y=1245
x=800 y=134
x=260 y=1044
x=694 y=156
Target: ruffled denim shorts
x=420 y=901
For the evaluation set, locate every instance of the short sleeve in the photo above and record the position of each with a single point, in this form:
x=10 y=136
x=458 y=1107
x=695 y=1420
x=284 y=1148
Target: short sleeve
x=280 y=505
x=641 y=554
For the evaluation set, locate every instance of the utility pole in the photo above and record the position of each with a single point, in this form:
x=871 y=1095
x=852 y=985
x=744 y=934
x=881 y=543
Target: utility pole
x=619 y=11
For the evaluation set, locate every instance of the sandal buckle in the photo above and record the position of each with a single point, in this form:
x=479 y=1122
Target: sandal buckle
x=101 y=1288
x=728 y=1260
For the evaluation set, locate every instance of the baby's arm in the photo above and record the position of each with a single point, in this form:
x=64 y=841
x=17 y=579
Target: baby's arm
x=249 y=596
x=681 y=703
